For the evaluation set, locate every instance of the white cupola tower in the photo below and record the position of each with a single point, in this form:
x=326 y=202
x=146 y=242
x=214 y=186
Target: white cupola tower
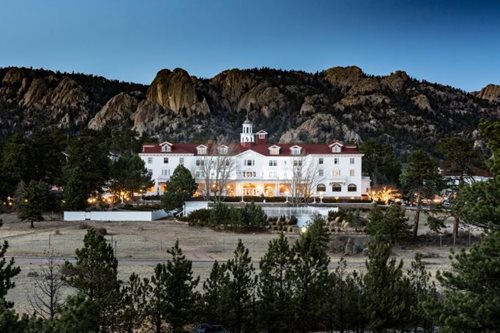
x=247 y=136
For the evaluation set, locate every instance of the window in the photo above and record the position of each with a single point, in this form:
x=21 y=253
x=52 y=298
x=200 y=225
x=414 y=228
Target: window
x=295 y=151
x=352 y=188
x=200 y=163
x=273 y=163
x=166 y=148
x=181 y=160
x=202 y=150
x=223 y=150
x=351 y=160
x=273 y=174
x=297 y=163
x=320 y=160
x=248 y=174
x=321 y=188
x=249 y=162
x=336 y=173
x=165 y=172
x=352 y=173
x=150 y=160
x=336 y=149
x=199 y=174
x=336 y=187
x=165 y=160
x=336 y=160
x=320 y=173
x=150 y=172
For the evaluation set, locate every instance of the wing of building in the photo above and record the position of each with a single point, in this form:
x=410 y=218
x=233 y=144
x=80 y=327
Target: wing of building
x=255 y=167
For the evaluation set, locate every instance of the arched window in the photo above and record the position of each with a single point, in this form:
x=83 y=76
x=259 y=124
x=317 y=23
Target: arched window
x=352 y=188
x=321 y=188
x=336 y=187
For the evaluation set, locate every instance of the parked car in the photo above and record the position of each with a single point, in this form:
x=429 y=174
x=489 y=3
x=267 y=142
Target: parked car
x=208 y=328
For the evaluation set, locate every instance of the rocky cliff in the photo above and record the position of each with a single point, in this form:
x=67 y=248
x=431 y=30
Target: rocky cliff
x=339 y=103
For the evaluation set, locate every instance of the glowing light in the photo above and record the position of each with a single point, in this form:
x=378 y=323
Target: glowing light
x=303 y=229
x=385 y=195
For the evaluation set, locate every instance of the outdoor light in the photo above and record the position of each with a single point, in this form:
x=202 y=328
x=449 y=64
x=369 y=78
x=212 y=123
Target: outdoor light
x=303 y=229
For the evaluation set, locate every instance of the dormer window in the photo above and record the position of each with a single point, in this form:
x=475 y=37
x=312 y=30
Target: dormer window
x=274 y=150
x=295 y=150
x=166 y=147
x=336 y=147
x=201 y=150
x=223 y=150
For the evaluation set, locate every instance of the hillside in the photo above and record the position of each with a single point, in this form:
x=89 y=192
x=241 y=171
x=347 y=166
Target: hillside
x=339 y=103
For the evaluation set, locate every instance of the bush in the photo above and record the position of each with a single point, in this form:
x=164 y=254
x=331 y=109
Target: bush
x=253 y=217
x=199 y=217
x=101 y=231
x=293 y=220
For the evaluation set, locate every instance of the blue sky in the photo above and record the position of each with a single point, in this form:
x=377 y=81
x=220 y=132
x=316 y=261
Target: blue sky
x=450 y=42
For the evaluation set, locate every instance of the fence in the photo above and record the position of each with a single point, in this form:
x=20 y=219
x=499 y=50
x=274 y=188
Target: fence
x=115 y=215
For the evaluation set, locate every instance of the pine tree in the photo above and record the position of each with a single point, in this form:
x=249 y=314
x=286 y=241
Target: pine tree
x=389 y=226
x=387 y=291
x=420 y=178
x=309 y=274
x=274 y=287
x=31 y=201
x=471 y=289
x=180 y=188
x=128 y=175
x=156 y=291
x=180 y=297
x=133 y=310
x=95 y=278
x=240 y=291
x=215 y=290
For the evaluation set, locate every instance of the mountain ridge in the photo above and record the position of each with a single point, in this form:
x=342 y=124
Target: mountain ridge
x=338 y=103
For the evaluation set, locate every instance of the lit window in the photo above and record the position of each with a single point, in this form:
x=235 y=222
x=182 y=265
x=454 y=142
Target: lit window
x=351 y=160
x=352 y=173
x=336 y=188
x=321 y=188
x=336 y=172
x=352 y=188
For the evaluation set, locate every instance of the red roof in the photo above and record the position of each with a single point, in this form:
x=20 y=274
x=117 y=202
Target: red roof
x=260 y=147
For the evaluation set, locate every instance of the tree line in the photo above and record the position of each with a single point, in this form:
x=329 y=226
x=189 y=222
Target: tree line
x=294 y=289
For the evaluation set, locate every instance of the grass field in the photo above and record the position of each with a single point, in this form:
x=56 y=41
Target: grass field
x=139 y=246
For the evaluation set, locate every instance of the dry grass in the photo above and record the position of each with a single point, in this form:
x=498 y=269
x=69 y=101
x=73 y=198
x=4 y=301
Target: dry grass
x=140 y=245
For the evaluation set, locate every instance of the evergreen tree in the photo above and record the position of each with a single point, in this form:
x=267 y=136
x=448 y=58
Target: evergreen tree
x=390 y=226
x=156 y=291
x=479 y=204
x=180 y=188
x=380 y=163
x=95 y=278
x=86 y=170
x=215 y=294
x=181 y=297
x=128 y=175
x=240 y=291
x=309 y=274
x=31 y=200
x=420 y=178
x=253 y=217
x=274 y=287
x=425 y=295
x=471 y=289
x=9 y=320
x=133 y=309
x=387 y=295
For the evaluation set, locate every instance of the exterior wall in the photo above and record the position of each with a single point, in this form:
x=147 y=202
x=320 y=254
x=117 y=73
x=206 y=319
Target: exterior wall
x=115 y=215
x=276 y=177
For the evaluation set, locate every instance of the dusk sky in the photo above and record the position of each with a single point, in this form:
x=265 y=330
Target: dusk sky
x=450 y=42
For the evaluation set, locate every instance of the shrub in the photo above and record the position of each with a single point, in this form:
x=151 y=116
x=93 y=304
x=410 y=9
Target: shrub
x=101 y=231
x=253 y=217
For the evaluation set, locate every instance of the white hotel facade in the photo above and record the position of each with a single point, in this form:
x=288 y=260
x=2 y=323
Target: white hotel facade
x=258 y=168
